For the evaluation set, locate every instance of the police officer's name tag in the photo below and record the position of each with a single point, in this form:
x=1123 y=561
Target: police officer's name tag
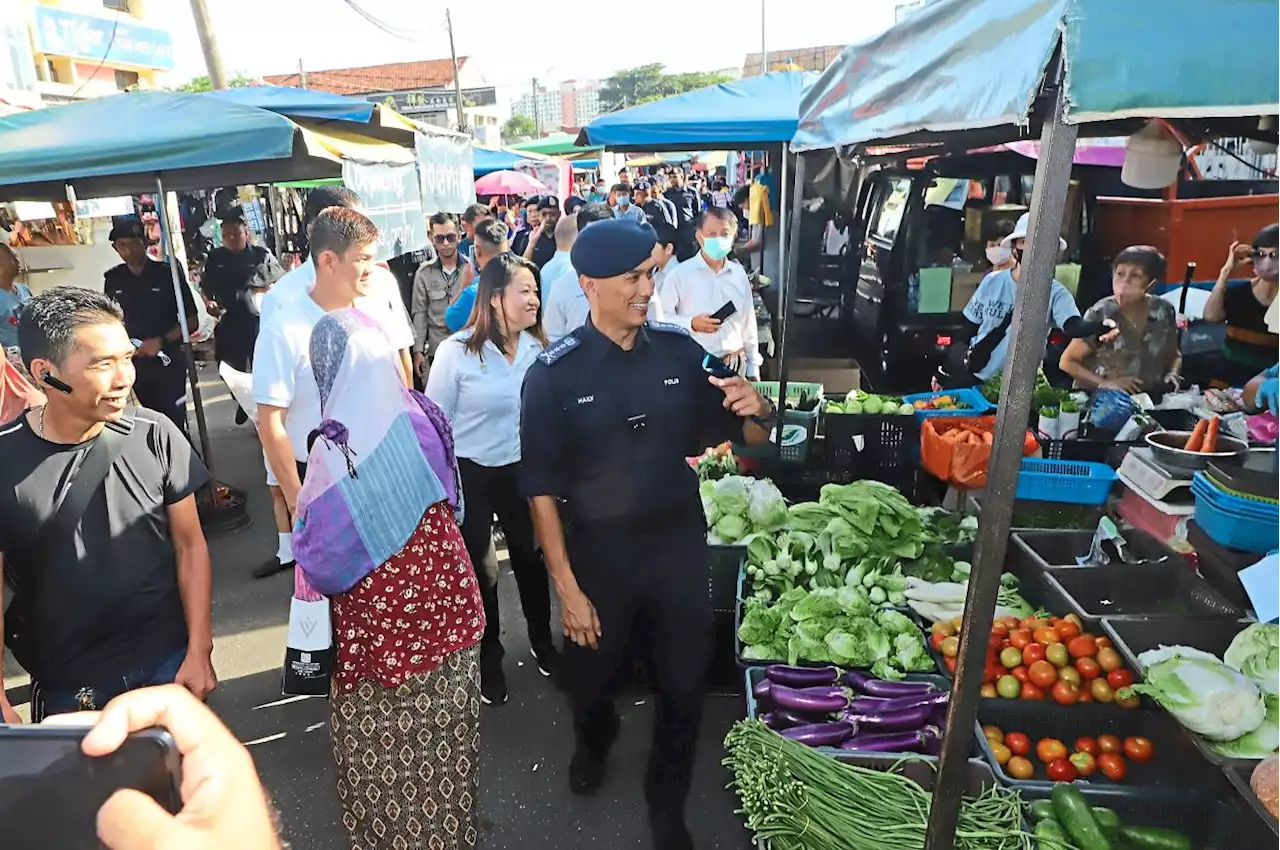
x=562 y=347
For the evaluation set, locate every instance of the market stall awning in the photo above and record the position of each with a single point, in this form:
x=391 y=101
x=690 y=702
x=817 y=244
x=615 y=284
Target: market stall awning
x=488 y=160
x=976 y=64
x=558 y=144
x=757 y=110
x=377 y=119
x=117 y=145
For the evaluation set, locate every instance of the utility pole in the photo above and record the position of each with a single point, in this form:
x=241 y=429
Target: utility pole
x=457 y=84
x=302 y=74
x=537 y=108
x=764 y=54
x=209 y=45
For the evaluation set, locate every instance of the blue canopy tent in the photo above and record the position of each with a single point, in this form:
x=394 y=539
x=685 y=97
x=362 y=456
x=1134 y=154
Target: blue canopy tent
x=756 y=111
x=966 y=73
x=488 y=160
x=300 y=103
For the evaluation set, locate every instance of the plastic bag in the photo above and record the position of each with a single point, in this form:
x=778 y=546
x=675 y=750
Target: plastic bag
x=1265 y=782
x=957 y=449
x=1263 y=427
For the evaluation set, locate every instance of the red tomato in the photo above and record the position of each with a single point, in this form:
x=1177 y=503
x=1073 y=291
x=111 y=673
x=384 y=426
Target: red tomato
x=1082 y=647
x=1103 y=642
x=1138 y=749
x=1084 y=763
x=949 y=662
x=1108 y=659
x=1112 y=766
x=1034 y=623
x=988 y=691
x=994 y=641
x=1085 y=744
x=1019 y=638
x=1020 y=673
x=1042 y=674
x=936 y=639
x=1030 y=691
x=1119 y=679
x=1109 y=744
x=1048 y=749
x=1032 y=653
x=1065 y=693
x=1018 y=743
x=1066 y=630
x=1085 y=695
x=1061 y=770
x=1045 y=636
x=999 y=628
x=1088 y=669
x=1126 y=698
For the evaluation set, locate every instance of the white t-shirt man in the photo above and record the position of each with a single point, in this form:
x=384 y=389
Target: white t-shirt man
x=694 y=288
x=993 y=300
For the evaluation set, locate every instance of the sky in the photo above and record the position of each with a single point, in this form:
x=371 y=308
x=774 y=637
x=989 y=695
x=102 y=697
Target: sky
x=514 y=41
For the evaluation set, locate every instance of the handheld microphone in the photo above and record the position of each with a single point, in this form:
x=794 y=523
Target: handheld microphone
x=50 y=381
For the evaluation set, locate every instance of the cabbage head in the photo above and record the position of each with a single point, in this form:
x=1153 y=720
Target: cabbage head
x=732 y=494
x=766 y=509
x=1201 y=692
x=710 y=508
x=1255 y=652
x=731 y=528
x=1259 y=743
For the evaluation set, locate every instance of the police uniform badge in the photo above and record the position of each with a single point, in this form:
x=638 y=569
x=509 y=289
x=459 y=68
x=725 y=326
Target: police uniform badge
x=559 y=349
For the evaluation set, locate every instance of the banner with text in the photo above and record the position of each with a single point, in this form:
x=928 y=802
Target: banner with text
x=390 y=196
x=446 y=173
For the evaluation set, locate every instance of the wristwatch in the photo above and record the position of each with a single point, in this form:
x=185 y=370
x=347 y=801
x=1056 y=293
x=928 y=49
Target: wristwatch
x=769 y=420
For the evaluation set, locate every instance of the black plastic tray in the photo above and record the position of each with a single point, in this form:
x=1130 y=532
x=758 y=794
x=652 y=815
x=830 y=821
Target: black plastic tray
x=1177 y=765
x=1132 y=637
x=1047 y=549
x=1211 y=822
x=1238 y=775
x=1148 y=591
x=1220 y=566
x=1046 y=516
x=725 y=570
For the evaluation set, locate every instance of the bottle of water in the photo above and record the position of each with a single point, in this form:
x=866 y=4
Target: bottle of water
x=913 y=293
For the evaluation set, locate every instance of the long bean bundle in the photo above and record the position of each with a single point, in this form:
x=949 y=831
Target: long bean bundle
x=798 y=799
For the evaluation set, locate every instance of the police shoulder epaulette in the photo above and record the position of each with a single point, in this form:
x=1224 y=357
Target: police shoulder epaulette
x=559 y=349
x=667 y=327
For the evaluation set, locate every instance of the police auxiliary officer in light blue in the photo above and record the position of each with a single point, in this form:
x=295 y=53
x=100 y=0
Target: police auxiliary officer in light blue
x=609 y=414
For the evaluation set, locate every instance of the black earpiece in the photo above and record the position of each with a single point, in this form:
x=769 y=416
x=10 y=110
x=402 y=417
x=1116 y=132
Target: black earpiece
x=50 y=381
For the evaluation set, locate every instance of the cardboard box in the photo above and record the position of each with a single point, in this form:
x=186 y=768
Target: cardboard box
x=837 y=376
x=962 y=288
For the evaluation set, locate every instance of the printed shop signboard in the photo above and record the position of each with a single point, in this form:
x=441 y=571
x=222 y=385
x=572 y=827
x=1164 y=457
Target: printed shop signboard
x=62 y=33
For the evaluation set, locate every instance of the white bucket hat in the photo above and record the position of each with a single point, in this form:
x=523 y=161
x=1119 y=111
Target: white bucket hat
x=1020 y=232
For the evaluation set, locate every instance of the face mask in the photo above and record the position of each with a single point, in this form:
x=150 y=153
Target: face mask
x=717 y=247
x=1267 y=268
x=998 y=254
x=624 y=201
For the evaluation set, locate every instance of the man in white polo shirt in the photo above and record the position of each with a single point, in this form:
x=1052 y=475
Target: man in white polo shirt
x=383 y=302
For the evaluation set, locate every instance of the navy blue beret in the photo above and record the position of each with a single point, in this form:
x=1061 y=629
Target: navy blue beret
x=612 y=247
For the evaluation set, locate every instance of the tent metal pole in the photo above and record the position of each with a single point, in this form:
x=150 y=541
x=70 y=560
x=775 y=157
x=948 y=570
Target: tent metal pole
x=1026 y=351
x=789 y=272
x=193 y=376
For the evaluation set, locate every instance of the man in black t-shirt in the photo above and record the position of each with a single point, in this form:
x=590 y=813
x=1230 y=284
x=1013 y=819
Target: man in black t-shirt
x=144 y=290
x=687 y=205
x=117 y=594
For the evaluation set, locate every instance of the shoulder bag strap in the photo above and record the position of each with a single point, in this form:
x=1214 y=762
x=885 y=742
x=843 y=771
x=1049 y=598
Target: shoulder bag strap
x=980 y=352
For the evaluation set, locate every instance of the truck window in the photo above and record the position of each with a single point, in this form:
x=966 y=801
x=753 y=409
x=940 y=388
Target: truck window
x=893 y=203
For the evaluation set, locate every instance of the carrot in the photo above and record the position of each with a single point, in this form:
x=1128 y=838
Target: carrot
x=1211 y=436
x=1197 y=436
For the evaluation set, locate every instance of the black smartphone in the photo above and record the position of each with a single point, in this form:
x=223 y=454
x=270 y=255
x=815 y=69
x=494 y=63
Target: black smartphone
x=50 y=791
x=716 y=367
x=725 y=312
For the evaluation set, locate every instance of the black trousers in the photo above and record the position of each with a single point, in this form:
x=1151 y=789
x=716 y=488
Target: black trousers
x=495 y=490
x=163 y=388
x=663 y=575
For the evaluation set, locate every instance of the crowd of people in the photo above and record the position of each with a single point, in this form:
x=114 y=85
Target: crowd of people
x=572 y=445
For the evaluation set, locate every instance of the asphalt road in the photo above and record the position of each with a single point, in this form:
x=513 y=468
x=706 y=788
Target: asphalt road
x=524 y=802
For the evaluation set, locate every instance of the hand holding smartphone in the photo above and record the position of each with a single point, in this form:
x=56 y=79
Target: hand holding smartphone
x=725 y=312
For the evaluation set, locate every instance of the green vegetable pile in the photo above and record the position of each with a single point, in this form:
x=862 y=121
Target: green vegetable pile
x=736 y=505
x=833 y=626
x=859 y=402
x=797 y=799
x=1066 y=821
x=942 y=526
x=1044 y=394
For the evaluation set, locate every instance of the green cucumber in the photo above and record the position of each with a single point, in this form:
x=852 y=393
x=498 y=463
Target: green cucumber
x=1042 y=810
x=1154 y=838
x=1049 y=836
x=1077 y=818
x=1108 y=820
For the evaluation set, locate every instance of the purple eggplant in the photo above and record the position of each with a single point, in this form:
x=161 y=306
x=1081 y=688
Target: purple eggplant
x=884 y=688
x=869 y=705
x=933 y=740
x=822 y=700
x=895 y=721
x=914 y=741
x=782 y=719
x=819 y=734
x=761 y=689
x=801 y=677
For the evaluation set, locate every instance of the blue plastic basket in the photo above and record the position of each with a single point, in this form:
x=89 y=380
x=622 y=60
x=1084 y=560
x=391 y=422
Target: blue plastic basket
x=1074 y=482
x=1232 y=521
x=978 y=405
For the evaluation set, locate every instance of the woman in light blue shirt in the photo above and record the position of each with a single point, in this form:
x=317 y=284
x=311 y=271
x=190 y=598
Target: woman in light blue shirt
x=13 y=296
x=476 y=380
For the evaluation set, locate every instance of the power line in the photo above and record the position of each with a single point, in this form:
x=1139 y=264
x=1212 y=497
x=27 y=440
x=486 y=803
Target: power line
x=103 y=61
x=390 y=29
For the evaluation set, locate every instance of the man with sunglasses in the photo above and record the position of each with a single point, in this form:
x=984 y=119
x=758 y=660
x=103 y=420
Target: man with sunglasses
x=435 y=286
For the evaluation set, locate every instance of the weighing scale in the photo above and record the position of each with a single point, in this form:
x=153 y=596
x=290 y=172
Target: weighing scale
x=1140 y=470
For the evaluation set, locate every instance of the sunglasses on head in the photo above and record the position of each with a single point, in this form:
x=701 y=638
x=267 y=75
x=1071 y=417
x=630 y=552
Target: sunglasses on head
x=1265 y=253
x=445 y=237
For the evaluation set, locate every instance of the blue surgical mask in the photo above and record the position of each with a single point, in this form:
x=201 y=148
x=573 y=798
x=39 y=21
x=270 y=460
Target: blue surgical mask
x=624 y=200
x=717 y=247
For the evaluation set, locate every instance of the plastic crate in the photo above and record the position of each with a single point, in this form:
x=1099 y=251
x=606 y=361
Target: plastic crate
x=978 y=405
x=1134 y=637
x=1213 y=820
x=1238 y=776
x=752 y=675
x=797 y=453
x=1234 y=522
x=1136 y=590
x=1177 y=766
x=874 y=446
x=1048 y=549
x=1034 y=515
x=1110 y=452
x=1161 y=519
x=1072 y=482
x=795 y=389
x=724 y=582
x=1219 y=565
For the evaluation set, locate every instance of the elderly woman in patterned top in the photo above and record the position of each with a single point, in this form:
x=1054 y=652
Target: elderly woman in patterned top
x=1142 y=354
x=378 y=532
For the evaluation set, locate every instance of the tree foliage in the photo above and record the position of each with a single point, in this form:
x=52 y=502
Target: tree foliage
x=199 y=84
x=519 y=126
x=651 y=82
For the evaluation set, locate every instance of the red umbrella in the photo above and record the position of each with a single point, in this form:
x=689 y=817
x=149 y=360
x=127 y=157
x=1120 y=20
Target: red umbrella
x=509 y=183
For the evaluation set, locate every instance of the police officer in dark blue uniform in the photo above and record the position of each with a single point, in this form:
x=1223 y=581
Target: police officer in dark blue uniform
x=610 y=412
